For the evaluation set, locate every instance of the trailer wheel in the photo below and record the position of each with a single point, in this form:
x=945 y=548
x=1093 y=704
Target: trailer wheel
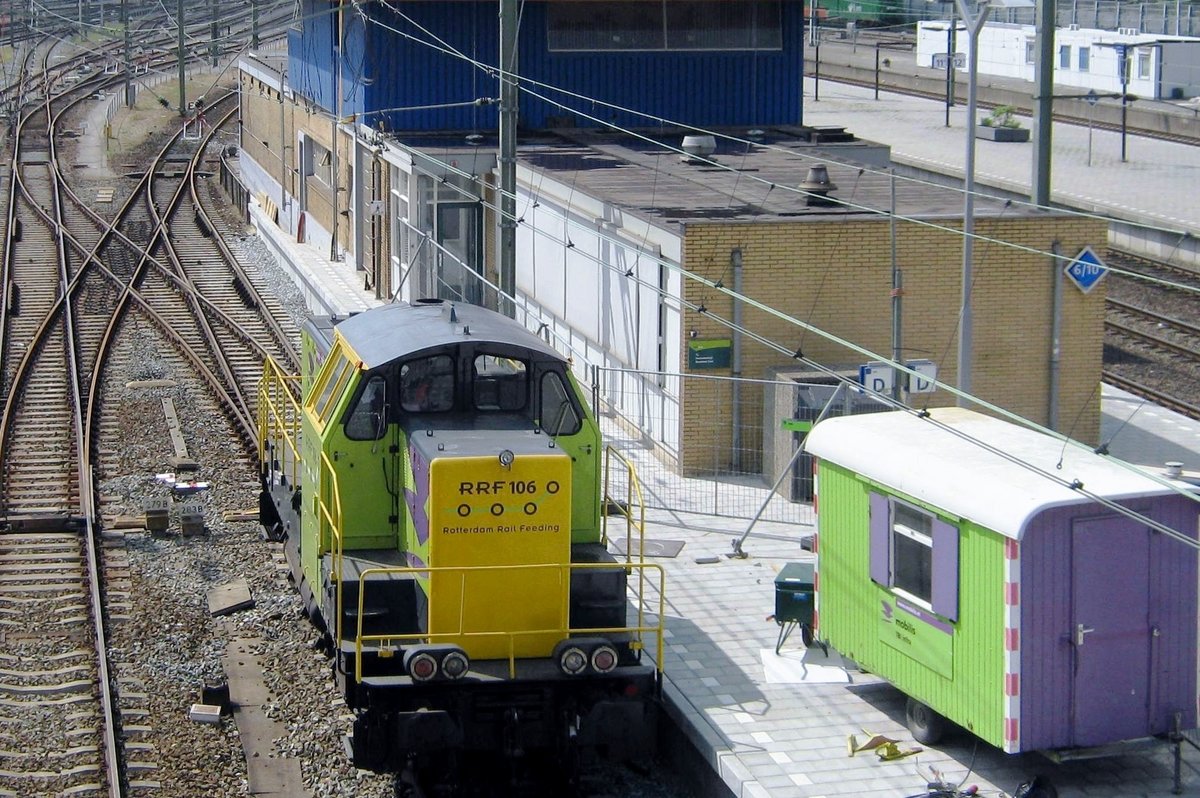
x=806 y=635
x=927 y=726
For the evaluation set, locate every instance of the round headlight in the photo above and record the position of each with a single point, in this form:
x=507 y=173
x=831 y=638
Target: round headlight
x=455 y=664
x=572 y=660
x=507 y=457
x=422 y=667
x=604 y=659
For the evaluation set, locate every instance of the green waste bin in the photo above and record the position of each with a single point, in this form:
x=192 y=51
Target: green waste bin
x=795 y=601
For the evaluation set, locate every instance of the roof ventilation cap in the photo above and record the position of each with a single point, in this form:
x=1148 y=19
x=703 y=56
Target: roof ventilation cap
x=818 y=185
x=698 y=149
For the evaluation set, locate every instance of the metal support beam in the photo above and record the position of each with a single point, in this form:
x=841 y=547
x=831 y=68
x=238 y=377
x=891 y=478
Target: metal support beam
x=1043 y=111
x=975 y=24
x=508 y=156
x=179 y=20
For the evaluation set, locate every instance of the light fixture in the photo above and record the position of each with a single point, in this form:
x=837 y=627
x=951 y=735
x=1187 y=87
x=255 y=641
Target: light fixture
x=506 y=458
x=604 y=658
x=455 y=664
x=572 y=660
x=421 y=665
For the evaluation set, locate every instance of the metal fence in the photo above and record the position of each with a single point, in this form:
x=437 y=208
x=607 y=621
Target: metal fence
x=734 y=451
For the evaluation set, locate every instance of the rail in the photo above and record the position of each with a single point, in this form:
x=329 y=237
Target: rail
x=384 y=641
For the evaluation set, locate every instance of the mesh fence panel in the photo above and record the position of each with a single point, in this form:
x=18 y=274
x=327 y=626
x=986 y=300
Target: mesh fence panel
x=736 y=466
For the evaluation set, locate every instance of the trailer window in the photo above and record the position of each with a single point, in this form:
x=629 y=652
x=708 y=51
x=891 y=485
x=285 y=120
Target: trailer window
x=912 y=553
x=915 y=554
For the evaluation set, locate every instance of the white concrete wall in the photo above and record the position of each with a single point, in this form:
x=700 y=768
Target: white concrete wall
x=593 y=276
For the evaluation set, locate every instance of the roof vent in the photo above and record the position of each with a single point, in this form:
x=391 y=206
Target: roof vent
x=698 y=149
x=818 y=185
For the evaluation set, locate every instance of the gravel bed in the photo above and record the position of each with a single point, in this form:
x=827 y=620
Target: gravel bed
x=169 y=647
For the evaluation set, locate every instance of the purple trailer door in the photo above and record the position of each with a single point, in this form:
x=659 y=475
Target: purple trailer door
x=1110 y=630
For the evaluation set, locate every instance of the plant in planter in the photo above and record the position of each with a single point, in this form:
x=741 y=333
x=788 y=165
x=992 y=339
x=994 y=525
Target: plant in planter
x=1002 y=125
x=1002 y=116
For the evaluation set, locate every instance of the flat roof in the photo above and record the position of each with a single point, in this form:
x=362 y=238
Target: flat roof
x=952 y=461
x=650 y=179
x=644 y=175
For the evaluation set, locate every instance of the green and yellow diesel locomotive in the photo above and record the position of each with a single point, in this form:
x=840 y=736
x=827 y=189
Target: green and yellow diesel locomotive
x=436 y=477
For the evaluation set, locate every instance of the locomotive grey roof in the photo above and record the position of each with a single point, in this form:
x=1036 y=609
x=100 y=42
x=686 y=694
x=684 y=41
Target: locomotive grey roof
x=388 y=332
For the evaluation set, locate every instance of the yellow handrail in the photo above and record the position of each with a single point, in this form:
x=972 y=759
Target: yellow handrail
x=329 y=512
x=279 y=417
x=633 y=489
x=637 y=631
x=279 y=421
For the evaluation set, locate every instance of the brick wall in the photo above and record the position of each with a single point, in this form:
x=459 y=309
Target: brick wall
x=836 y=274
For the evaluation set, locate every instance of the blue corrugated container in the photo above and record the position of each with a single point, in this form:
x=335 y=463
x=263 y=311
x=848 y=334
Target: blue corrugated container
x=441 y=54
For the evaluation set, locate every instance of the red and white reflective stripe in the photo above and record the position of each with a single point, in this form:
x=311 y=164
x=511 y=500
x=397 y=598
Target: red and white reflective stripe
x=1012 y=646
x=817 y=562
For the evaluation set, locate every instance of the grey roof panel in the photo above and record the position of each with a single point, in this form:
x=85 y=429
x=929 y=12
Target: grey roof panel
x=389 y=332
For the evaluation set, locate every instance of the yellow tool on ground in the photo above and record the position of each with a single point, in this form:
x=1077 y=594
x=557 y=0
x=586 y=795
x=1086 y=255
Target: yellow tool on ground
x=884 y=747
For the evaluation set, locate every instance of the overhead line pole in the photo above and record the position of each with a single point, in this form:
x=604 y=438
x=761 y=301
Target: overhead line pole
x=129 y=98
x=508 y=156
x=975 y=24
x=182 y=60
x=1043 y=112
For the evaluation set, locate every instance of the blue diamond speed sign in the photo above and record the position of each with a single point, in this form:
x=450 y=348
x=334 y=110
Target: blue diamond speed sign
x=1086 y=270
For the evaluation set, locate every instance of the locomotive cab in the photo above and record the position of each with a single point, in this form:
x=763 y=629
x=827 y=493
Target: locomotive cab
x=442 y=518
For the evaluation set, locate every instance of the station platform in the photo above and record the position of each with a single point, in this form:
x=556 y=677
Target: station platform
x=1153 y=186
x=778 y=725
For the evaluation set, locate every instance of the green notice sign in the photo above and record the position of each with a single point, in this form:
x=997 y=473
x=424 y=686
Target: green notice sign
x=709 y=353
x=916 y=638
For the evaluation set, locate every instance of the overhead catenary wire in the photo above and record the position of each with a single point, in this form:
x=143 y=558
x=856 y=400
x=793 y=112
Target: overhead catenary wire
x=688 y=275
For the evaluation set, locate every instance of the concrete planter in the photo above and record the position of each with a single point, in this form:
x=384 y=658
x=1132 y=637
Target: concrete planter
x=1002 y=133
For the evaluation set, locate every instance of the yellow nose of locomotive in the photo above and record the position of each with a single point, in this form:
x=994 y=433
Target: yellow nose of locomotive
x=500 y=544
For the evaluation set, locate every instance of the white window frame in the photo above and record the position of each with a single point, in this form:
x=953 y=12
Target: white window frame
x=917 y=536
x=1145 y=62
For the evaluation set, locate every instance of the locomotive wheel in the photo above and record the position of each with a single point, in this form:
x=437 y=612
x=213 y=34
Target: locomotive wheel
x=927 y=726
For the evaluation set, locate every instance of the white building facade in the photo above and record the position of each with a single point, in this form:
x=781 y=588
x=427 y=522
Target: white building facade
x=1155 y=67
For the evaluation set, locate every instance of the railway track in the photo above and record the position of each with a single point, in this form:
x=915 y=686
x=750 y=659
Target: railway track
x=1152 y=339
x=71 y=724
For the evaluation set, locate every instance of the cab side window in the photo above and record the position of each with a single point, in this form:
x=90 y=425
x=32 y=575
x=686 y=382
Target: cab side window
x=427 y=385
x=559 y=415
x=368 y=419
